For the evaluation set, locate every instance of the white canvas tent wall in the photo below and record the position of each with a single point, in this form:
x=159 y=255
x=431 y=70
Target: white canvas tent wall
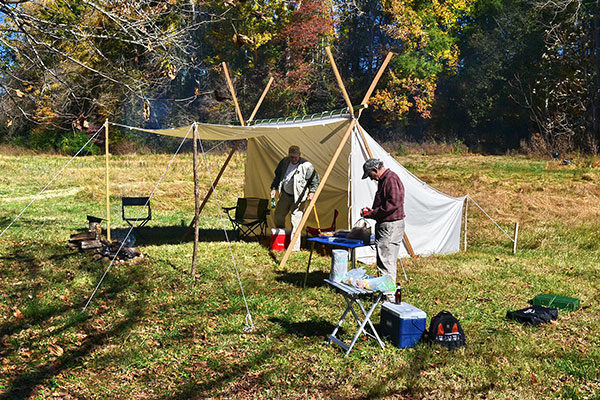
x=433 y=219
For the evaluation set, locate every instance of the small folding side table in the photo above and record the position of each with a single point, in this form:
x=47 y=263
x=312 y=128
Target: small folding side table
x=353 y=296
x=349 y=244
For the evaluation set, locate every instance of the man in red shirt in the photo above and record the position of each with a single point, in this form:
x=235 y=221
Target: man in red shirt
x=388 y=212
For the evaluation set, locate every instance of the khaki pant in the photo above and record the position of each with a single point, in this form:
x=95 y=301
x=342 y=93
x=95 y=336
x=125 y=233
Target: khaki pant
x=388 y=238
x=285 y=206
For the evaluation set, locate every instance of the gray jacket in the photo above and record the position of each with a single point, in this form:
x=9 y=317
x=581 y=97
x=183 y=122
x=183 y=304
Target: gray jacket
x=306 y=179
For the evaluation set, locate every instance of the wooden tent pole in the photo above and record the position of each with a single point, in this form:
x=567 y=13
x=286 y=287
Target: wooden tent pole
x=262 y=97
x=516 y=237
x=235 y=101
x=376 y=79
x=211 y=189
x=196 y=203
x=317 y=193
x=106 y=147
x=338 y=77
x=231 y=153
x=365 y=101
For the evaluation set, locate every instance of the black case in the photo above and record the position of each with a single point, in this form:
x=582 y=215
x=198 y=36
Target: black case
x=534 y=315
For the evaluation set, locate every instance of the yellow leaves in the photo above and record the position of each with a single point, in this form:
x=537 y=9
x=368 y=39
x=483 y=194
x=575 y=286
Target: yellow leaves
x=262 y=38
x=391 y=102
x=19 y=93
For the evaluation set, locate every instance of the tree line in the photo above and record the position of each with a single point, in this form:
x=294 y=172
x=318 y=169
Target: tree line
x=493 y=74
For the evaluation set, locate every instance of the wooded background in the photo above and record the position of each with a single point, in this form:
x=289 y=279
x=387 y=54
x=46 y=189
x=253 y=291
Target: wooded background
x=495 y=75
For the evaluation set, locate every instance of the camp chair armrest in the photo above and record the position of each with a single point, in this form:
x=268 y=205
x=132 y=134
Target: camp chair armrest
x=227 y=209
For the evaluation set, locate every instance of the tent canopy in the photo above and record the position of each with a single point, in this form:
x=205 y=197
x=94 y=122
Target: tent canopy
x=433 y=219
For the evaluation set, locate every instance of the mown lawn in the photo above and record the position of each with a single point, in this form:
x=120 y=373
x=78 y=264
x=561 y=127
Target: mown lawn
x=152 y=332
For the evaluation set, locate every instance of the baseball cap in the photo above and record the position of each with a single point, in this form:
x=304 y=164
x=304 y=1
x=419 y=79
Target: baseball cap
x=370 y=165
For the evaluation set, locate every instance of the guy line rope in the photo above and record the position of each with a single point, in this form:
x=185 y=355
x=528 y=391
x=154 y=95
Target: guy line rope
x=249 y=323
x=52 y=180
x=499 y=227
x=137 y=218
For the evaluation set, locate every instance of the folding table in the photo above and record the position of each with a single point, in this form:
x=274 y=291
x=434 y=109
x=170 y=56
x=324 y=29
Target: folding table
x=350 y=244
x=353 y=296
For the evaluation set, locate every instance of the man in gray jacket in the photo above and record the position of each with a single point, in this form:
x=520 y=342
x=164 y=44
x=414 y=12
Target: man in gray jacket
x=297 y=181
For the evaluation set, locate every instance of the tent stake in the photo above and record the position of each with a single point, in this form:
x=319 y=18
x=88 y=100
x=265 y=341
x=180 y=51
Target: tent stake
x=516 y=237
x=317 y=193
x=107 y=181
x=196 y=203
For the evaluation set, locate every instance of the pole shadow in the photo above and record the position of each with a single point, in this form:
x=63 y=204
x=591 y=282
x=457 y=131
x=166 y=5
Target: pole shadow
x=314 y=279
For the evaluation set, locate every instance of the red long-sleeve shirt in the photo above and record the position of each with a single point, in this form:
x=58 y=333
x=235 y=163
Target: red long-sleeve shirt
x=388 y=204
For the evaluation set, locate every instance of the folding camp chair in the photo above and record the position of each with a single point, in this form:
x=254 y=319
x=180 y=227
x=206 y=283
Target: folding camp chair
x=136 y=202
x=250 y=217
x=316 y=231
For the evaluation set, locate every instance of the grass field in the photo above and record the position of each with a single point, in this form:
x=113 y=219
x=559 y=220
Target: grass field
x=153 y=333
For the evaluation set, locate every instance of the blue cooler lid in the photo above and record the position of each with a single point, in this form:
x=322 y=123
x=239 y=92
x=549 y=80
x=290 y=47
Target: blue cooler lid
x=404 y=310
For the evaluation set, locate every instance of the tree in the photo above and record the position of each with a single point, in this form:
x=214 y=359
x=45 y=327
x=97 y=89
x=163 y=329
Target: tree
x=70 y=62
x=563 y=102
x=500 y=46
x=424 y=35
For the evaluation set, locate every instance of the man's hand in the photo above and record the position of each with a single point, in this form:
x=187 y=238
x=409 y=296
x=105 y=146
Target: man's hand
x=365 y=211
x=310 y=196
x=273 y=193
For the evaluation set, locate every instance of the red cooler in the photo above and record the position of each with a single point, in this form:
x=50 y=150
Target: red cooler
x=280 y=239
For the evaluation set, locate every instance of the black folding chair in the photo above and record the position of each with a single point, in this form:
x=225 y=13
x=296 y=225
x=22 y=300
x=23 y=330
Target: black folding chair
x=134 y=203
x=250 y=217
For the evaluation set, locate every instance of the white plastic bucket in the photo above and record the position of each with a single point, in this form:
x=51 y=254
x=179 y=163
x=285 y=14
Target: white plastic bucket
x=339 y=264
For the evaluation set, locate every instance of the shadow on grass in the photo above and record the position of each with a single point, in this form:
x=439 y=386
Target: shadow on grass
x=160 y=235
x=306 y=328
x=228 y=372
x=410 y=375
x=314 y=279
x=23 y=385
x=40 y=306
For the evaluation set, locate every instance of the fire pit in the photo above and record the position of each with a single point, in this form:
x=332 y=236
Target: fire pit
x=92 y=241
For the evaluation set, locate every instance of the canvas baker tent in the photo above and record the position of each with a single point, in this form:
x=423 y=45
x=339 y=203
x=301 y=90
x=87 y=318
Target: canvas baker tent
x=433 y=219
